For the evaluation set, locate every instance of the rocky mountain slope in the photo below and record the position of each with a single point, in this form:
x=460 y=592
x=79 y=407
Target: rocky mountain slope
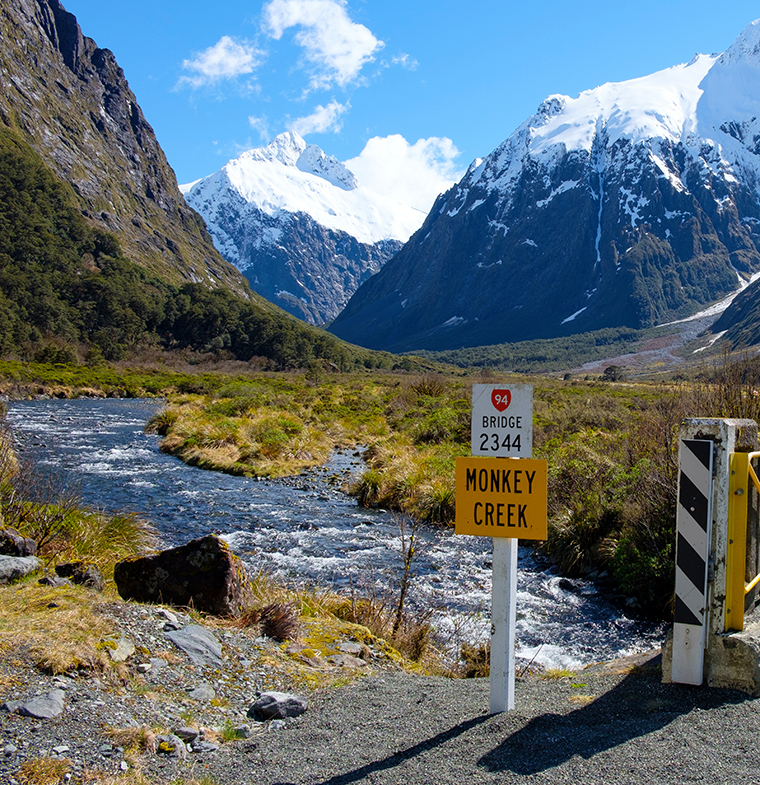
x=70 y=101
x=299 y=225
x=630 y=205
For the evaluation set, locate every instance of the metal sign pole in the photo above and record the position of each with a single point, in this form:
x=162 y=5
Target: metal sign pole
x=503 y=622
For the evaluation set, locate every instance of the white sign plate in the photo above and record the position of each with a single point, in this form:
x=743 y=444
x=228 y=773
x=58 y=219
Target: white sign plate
x=502 y=420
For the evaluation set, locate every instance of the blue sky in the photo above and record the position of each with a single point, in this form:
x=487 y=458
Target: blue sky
x=408 y=92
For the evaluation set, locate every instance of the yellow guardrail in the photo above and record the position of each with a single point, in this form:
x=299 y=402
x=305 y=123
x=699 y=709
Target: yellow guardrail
x=742 y=472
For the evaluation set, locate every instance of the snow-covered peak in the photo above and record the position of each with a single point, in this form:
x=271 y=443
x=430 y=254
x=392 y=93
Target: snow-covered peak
x=662 y=105
x=289 y=149
x=285 y=149
x=290 y=176
x=711 y=102
x=731 y=89
x=746 y=47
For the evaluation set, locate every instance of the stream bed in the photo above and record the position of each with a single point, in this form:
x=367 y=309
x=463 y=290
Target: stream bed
x=307 y=530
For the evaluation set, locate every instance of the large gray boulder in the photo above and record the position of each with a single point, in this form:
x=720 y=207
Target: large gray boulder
x=277 y=706
x=203 y=573
x=14 y=567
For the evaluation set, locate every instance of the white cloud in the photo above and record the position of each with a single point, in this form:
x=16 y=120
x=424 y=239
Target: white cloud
x=405 y=61
x=413 y=174
x=321 y=120
x=336 y=47
x=261 y=125
x=226 y=59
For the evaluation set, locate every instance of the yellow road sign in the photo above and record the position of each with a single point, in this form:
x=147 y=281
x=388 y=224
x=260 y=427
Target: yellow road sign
x=501 y=497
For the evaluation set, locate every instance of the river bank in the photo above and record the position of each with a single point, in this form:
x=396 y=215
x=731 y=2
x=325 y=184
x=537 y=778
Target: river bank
x=608 y=722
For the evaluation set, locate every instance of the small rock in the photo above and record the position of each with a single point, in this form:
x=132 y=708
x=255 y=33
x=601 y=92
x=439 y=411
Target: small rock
x=203 y=692
x=351 y=647
x=199 y=644
x=157 y=663
x=43 y=707
x=167 y=615
x=171 y=745
x=82 y=574
x=124 y=765
x=144 y=667
x=277 y=706
x=54 y=581
x=62 y=683
x=61 y=750
x=9 y=750
x=313 y=660
x=277 y=724
x=346 y=661
x=188 y=735
x=242 y=731
x=122 y=649
x=199 y=747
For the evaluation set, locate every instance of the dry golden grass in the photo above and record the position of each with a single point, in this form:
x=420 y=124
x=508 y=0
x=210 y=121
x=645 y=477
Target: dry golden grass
x=57 y=628
x=138 y=739
x=582 y=700
x=43 y=771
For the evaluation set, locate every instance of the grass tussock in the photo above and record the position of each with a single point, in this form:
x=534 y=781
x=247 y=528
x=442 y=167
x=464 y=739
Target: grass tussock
x=557 y=674
x=137 y=739
x=277 y=620
x=43 y=771
x=58 y=629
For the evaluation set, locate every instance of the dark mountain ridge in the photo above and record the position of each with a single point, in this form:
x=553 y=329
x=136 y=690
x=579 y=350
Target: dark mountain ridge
x=70 y=101
x=622 y=208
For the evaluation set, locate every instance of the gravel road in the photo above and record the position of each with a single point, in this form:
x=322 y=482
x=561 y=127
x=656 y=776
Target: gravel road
x=608 y=724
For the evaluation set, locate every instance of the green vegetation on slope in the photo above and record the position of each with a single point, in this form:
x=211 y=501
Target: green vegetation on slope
x=546 y=354
x=61 y=278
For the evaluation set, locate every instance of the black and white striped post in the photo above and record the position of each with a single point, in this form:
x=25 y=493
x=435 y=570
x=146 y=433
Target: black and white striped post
x=694 y=537
x=699 y=650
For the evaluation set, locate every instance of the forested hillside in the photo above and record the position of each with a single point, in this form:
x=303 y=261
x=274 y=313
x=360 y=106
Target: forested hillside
x=61 y=277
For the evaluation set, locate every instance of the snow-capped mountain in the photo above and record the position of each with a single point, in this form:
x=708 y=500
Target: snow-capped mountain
x=631 y=204
x=299 y=225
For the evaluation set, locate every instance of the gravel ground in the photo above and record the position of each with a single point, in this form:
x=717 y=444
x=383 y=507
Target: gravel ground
x=610 y=723
x=602 y=726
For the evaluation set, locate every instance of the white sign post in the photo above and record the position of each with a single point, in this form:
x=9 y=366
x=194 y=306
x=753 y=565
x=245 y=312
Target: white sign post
x=503 y=623
x=502 y=426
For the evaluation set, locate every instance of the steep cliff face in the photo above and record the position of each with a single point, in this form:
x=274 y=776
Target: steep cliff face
x=630 y=205
x=299 y=225
x=70 y=101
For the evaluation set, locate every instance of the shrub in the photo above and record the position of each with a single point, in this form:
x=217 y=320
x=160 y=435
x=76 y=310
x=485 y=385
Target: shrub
x=278 y=620
x=367 y=489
